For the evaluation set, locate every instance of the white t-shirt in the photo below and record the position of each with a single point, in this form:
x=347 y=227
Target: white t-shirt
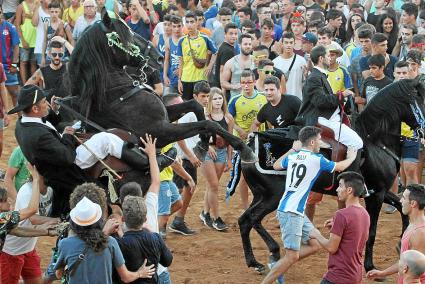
x=151 y=201
x=19 y=245
x=10 y=6
x=81 y=24
x=294 y=85
x=43 y=18
x=159 y=29
x=191 y=141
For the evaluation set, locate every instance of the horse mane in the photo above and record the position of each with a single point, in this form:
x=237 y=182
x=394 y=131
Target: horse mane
x=384 y=112
x=90 y=63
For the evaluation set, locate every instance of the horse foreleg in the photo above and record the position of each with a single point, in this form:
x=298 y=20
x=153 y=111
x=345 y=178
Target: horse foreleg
x=178 y=110
x=394 y=200
x=167 y=132
x=373 y=207
x=247 y=155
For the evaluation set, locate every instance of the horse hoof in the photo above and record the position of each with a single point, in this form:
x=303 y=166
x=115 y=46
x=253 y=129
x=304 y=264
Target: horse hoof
x=259 y=268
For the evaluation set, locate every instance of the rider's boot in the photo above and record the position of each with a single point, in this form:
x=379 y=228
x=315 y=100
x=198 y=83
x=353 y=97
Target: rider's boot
x=137 y=159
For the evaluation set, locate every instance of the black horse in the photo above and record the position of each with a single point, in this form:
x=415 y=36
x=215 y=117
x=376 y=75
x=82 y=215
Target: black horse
x=378 y=125
x=110 y=97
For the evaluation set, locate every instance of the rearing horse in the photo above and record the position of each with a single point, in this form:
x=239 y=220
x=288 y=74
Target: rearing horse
x=112 y=99
x=379 y=126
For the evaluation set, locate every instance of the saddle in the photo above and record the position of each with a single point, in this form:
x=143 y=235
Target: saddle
x=339 y=150
x=114 y=163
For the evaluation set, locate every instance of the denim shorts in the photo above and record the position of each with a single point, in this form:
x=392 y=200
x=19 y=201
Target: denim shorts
x=38 y=58
x=168 y=195
x=410 y=150
x=294 y=228
x=164 y=278
x=221 y=156
x=11 y=79
x=27 y=54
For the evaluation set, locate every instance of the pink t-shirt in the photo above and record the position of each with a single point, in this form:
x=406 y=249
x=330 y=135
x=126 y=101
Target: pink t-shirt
x=346 y=265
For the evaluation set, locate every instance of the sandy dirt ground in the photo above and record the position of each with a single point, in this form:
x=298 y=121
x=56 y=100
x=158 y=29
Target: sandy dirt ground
x=217 y=257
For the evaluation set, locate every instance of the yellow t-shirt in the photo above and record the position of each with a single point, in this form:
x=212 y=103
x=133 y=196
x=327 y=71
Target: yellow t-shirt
x=339 y=80
x=245 y=110
x=29 y=32
x=406 y=131
x=200 y=46
x=167 y=173
x=70 y=15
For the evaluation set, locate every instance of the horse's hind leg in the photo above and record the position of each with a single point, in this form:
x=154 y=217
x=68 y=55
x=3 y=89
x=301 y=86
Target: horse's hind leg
x=252 y=218
x=258 y=213
x=373 y=207
x=245 y=227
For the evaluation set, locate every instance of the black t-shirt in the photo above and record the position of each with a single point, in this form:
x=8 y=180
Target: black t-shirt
x=136 y=246
x=281 y=115
x=371 y=86
x=372 y=19
x=225 y=52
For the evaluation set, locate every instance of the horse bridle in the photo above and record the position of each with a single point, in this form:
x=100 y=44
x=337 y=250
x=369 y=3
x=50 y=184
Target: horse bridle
x=419 y=116
x=133 y=50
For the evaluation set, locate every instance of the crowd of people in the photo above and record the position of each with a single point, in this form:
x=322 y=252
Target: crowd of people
x=252 y=65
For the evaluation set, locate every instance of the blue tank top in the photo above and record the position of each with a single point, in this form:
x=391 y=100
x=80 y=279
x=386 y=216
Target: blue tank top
x=161 y=49
x=161 y=44
x=174 y=63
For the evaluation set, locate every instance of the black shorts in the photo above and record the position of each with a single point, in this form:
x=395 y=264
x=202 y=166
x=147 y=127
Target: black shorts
x=191 y=170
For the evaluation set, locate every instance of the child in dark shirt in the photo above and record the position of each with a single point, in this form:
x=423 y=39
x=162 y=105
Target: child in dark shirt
x=377 y=80
x=138 y=243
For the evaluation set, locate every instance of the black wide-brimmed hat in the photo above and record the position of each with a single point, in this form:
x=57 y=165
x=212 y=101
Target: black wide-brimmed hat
x=28 y=96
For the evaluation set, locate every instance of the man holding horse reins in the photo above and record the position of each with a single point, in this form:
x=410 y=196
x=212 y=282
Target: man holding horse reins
x=321 y=106
x=57 y=156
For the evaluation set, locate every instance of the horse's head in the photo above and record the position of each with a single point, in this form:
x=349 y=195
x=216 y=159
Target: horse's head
x=415 y=117
x=129 y=48
x=102 y=50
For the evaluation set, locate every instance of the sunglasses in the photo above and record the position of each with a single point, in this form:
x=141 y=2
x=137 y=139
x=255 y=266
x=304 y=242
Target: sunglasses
x=268 y=72
x=55 y=54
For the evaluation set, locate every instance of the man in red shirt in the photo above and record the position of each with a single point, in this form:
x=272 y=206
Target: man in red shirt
x=349 y=231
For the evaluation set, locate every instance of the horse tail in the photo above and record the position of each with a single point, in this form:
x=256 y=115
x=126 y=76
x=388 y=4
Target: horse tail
x=235 y=176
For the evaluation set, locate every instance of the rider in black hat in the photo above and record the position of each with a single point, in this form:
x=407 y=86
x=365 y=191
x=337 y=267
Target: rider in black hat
x=58 y=157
